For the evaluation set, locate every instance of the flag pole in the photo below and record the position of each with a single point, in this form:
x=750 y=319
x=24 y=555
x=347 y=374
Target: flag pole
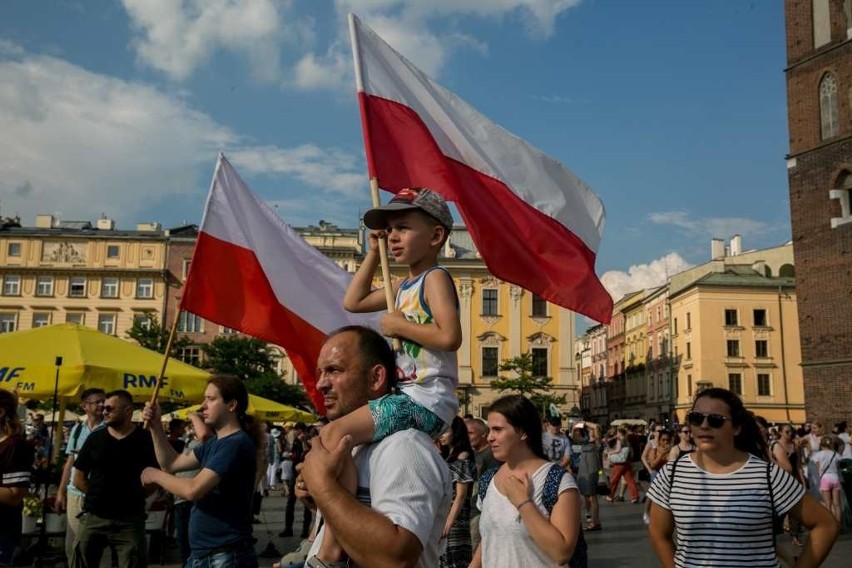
x=169 y=342
x=374 y=180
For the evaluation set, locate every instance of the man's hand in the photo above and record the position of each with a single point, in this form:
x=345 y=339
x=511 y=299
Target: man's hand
x=322 y=465
x=149 y=476
x=390 y=323
x=61 y=501
x=151 y=415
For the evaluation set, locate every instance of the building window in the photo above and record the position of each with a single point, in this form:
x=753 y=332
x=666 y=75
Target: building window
x=44 y=286
x=489 y=302
x=14 y=249
x=539 y=307
x=539 y=362
x=733 y=348
x=688 y=320
x=77 y=287
x=106 y=323
x=112 y=251
x=490 y=363
x=689 y=386
x=228 y=330
x=109 y=288
x=759 y=318
x=674 y=322
x=764 y=385
x=761 y=348
x=735 y=383
x=190 y=355
x=145 y=288
x=828 y=112
x=41 y=319
x=821 y=13
x=190 y=323
x=12 y=285
x=186 y=263
x=688 y=350
x=731 y=318
x=7 y=323
x=75 y=317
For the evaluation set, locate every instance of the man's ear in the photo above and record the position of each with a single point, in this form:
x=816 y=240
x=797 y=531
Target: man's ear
x=378 y=380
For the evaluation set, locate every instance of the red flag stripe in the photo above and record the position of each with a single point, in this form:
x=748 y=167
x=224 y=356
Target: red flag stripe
x=248 y=303
x=544 y=255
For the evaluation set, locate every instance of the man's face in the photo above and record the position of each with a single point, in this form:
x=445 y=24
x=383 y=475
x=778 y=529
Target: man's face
x=342 y=378
x=93 y=406
x=214 y=409
x=475 y=435
x=116 y=412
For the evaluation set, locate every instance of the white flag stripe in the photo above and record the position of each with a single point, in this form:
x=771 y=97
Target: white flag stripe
x=464 y=134
x=235 y=215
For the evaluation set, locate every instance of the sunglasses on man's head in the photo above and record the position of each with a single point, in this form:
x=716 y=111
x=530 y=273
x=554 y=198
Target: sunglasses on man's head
x=713 y=420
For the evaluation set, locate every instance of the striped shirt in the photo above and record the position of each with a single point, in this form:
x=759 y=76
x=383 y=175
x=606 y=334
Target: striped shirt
x=725 y=519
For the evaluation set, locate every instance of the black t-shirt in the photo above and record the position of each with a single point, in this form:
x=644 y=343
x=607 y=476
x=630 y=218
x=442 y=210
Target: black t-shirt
x=113 y=467
x=16 y=460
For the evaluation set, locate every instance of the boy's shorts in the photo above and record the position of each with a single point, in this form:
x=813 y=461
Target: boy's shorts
x=397 y=412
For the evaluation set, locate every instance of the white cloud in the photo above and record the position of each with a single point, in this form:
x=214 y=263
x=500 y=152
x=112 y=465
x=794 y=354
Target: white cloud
x=176 y=37
x=643 y=276
x=327 y=168
x=77 y=143
x=710 y=227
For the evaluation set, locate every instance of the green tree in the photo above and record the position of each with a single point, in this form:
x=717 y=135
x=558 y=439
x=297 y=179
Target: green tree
x=537 y=389
x=238 y=355
x=253 y=362
x=150 y=334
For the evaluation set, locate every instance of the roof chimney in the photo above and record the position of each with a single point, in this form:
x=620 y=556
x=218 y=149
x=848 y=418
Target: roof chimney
x=106 y=224
x=717 y=249
x=44 y=221
x=736 y=245
x=150 y=227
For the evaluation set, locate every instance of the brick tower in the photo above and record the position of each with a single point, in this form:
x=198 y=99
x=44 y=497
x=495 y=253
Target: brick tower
x=819 y=105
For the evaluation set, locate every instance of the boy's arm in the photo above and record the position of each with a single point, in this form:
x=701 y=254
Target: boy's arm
x=360 y=296
x=444 y=333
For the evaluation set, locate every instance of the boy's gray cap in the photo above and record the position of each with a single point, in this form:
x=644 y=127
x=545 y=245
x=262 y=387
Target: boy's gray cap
x=421 y=198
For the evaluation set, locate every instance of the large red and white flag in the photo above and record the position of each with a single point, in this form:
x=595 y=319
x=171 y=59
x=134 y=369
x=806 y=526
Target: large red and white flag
x=533 y=221
x=252 y=272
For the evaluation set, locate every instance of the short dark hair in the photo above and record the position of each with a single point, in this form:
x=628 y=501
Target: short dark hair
x=373 y=348
x=524 y=417
x=89 y=392
x=122 y=394
x=749 y=439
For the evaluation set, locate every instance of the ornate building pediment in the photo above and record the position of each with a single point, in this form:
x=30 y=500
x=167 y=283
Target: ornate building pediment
x=540 y=339
x=490 y=338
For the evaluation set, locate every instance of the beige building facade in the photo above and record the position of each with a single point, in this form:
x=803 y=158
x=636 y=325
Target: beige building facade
x=76 y=272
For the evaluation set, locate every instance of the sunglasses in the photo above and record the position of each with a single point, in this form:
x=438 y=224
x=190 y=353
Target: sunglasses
x=713 y=420
x=110 y=409
x=685 y=432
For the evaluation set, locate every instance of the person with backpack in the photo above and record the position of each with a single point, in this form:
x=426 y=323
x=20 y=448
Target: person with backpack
x=722 y=499
x=530 y=505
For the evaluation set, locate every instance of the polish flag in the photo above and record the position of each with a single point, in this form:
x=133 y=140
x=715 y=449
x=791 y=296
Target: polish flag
x=533 y=221
x=252 y=272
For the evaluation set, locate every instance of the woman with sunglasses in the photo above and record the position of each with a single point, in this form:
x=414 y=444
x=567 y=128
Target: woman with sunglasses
x=725 y=490
x=684 y=445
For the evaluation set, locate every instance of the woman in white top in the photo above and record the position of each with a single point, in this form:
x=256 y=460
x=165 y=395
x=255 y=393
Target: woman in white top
x=825 y=461
x=721 y=498
x=515 y=525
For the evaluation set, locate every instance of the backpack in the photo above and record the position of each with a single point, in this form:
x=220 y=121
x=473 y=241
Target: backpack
x=580 y=558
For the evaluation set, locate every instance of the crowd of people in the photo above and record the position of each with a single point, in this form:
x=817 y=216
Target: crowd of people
x=396 y=478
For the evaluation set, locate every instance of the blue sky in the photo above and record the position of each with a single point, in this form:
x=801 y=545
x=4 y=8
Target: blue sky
x=674 y=112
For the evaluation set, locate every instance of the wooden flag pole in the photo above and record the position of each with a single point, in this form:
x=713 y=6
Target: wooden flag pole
x=383 y=258
x=169 y=342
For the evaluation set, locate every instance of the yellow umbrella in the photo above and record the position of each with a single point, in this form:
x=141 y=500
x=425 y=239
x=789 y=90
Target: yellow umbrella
x=90 y=359
x=262 y=409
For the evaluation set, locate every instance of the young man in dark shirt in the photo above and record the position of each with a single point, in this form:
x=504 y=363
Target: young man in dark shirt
x=107 y=471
